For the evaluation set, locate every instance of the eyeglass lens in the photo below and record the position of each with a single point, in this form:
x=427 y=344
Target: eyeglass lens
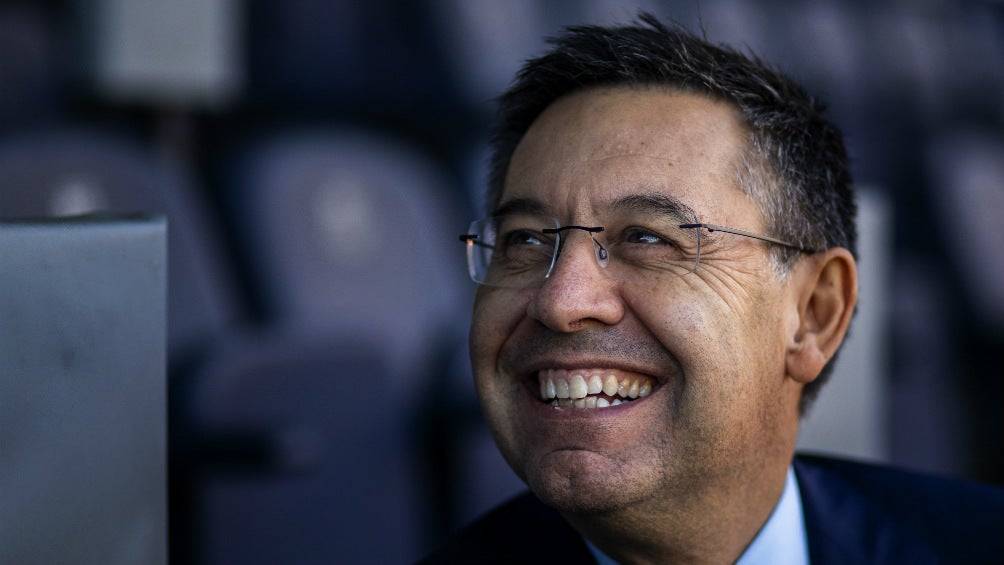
x=521 y=250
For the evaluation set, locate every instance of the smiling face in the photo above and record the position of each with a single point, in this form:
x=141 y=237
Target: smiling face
x=714 y=412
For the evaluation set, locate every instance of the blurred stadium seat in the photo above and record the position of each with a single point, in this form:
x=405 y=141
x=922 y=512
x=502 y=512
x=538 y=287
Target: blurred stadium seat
x=62 y=172
x=28 y=65
x=347 y=232
x=306 y=455
x=299 y=441
x=966 y=167
x=470 y=476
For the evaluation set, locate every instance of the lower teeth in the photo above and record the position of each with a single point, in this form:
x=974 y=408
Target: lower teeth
x=587 y=402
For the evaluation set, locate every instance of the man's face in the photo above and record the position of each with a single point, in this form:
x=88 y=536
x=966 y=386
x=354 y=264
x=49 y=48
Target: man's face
x=709 y=344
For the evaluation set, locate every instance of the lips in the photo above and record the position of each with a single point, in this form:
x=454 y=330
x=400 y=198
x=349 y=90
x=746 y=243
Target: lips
x=592 y=388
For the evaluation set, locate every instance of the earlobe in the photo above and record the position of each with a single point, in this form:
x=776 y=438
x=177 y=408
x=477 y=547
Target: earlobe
x=826 y=287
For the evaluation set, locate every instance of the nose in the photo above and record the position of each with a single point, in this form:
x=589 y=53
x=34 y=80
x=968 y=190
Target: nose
x=578 y=293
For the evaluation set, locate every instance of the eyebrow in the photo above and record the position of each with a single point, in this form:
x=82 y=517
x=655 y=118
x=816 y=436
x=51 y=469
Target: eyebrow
x=656 y=203
x=522 y=206
x=663 y=205
x=647 y=203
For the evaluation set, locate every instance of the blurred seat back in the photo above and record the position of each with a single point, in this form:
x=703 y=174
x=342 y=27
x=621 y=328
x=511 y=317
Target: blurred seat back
x=966 y=166
x=28 y=64
x=66 y=172
x=347 y=231
x=308 y=456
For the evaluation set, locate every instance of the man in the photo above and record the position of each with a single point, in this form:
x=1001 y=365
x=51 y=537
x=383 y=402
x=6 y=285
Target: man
x=666 y=277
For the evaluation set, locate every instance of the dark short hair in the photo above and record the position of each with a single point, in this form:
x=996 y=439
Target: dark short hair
x=795 y=166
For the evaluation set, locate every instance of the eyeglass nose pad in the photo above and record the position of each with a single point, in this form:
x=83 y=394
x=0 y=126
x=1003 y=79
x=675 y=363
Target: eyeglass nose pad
x=599 y=251
x=602 y=256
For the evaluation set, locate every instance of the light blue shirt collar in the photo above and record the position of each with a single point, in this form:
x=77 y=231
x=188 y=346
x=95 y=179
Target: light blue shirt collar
x=781 y=540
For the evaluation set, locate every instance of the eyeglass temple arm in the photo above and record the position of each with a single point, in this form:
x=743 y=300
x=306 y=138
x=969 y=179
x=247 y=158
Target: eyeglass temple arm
x=473 y=240
x=714 y=228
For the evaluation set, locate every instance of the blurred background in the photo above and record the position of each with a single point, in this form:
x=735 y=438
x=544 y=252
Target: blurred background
x=316 y=160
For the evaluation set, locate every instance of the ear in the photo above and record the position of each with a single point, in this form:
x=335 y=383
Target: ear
x=825 y=288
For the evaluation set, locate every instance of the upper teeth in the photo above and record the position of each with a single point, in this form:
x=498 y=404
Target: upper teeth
x=573 y=388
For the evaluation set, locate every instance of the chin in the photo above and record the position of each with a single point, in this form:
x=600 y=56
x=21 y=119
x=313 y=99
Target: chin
x=576 y=487
x=577 y=502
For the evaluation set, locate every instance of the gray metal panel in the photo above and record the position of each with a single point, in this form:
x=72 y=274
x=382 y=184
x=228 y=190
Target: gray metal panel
x=82 y=392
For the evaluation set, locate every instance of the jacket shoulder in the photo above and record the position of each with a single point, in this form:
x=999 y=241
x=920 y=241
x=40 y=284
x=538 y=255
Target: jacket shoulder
x=522 y=530
x=959 y=520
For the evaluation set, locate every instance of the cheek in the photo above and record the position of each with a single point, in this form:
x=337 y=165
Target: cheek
x=721 y=354
x=496 y=314
x=681 y=325
x=686 y=329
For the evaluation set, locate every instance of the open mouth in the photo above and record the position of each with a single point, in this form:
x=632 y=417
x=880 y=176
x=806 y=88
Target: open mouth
x=592 y=388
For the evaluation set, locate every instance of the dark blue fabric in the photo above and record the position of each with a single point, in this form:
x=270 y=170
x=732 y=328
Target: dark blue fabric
x=522 y=531
x=855 y=514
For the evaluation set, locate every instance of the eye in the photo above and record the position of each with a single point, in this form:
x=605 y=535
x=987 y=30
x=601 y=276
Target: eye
x=525 y=246
x=648 y=246
x=643 y=236
x=517 y=238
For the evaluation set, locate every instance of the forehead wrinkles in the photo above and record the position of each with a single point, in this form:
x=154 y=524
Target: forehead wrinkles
x=574 y=146
x=586 y=185
x=598 y=125
x=596 y=146
x=626 y=120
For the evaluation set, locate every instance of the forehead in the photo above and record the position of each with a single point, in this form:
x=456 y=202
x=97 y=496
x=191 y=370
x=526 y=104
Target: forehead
x=602 y=145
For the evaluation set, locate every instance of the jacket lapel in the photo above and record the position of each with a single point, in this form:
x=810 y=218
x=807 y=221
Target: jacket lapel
x=844 y=526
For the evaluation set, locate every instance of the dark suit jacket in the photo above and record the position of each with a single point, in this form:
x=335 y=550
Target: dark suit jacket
x=855 y=514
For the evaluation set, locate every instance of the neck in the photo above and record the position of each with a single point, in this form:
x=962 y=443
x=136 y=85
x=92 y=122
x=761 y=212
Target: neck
x=713 y=526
